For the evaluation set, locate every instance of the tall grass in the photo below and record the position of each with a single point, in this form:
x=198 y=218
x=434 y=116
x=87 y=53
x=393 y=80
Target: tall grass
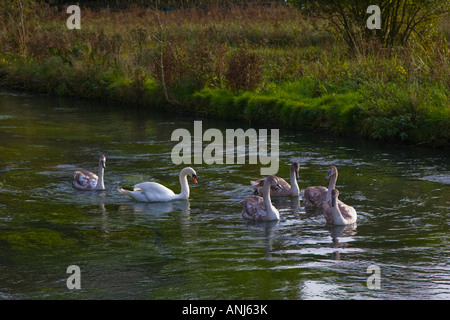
x=262 y=63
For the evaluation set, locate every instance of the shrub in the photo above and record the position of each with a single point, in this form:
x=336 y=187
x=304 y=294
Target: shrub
x=400 y=18
x=244 y=70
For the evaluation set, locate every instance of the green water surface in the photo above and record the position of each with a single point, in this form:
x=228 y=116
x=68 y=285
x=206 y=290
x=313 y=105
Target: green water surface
x=202 y=248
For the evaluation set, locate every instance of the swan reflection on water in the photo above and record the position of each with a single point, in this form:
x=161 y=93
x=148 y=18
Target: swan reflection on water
x=337 y=231
x=157 y=208
x=265 y=229
x=340 y=231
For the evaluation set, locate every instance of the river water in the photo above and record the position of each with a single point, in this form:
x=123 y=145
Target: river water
x=202 y=248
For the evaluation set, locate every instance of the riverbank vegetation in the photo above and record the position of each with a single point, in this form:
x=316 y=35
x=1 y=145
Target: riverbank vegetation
x=269 y=64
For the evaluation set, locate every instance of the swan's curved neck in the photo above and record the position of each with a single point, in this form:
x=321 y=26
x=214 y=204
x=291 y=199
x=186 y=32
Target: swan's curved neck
x=272 y=212
x=100 y=181
x=337 y=216
x=184 y=185
x=331 y=186
x=294 y=183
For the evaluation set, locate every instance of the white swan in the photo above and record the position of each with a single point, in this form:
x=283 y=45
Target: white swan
x=261 y=208
x=338 y=213
x=87 y=181
x=288 y=190
x=316 y=196
x=155 y=192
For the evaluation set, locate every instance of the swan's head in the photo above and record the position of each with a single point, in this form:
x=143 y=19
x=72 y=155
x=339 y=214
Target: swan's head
x=332 y=170
x=295 y=167
x=102 y=161
x=272 y=181
x=334 y=196
x=190 y=172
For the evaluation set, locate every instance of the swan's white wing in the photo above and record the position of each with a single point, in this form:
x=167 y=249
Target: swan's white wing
x=154 y=191
x=154 y=187
x=137 y=194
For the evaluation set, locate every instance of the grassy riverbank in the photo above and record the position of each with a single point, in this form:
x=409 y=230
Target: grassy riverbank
x=268 y=65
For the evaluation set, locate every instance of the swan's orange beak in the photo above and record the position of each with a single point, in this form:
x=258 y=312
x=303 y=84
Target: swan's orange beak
x=194 y=177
